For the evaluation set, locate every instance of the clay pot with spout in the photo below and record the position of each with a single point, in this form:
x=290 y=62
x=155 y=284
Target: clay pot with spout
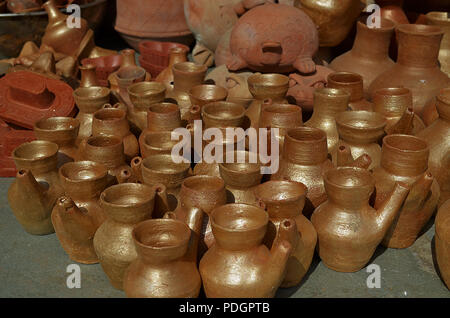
x=442 y=242
x=417 y=65
x=263 y=87
x=166 y=265
x=286 y=199
x=89 y=100
x=305 y=159
x=126 y=205
x=257 y=272
x=37 y=187
x=395 y=104
x=442 y=20
x=154 y=143
x=201 y=95
x=349 y=190
x=88 y=76
x=353 y=84
x=328 y=102
x=369 y=56
x=405 y=159
x=223 y=114
x=437 y=136
x=361 y=132
x=77 y=215
x=63 y=131
x=176 y=55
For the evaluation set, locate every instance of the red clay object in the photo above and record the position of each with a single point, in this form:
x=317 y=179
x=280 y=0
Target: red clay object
x=26 y=97
x=105 y=65
x=154 y=70
x=158 y=53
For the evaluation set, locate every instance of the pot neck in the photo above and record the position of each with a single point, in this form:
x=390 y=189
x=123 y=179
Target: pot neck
x=350 y=199
x=327 y=106
x=183 y=81
x=85 y=189
x=177 y=56
x=111 y=156
x=54 y=15
x=128 y=58
x=88 y=76
x=354 y=86
x=372 y=43
x=309 y=151
x=39 y=166
x=283 y=209
x=111 y=126
x=418 y=50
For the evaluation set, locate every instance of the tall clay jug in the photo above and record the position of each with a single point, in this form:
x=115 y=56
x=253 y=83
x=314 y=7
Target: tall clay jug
x=257 y=272
x=166 y=265
x=442 y=242
x=286 y=199
x=126 y=205
x=348 y=228
x=417 y=65
x=442 y=20
x=28 y=196
x=405 y=158
x=176 y=55
x=353 y=84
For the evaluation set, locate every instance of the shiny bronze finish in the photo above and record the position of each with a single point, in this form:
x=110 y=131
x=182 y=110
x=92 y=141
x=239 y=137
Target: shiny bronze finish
x=142 y=96
x=201 y=95
x=393 y=103
x=30 y=201
x=77 y=215
x=344 y=158
x=223 y=114
x=126 y=205
x=89 y=100
x=239 y=230
x=442 y=242
x=361 y=132
x=353 y=84
x=154 y=143
x=129 y=73
x=405 y=159
x=348 y=228
x=305 y=159
x=63 y=131
x=286 y=199
x=437 y=136
x=113 y=122
x=328 y=102
x=264 y=87
x=176 y=55
x=166 y=265
x=442 y=20
x=163 y=117
x=88 y=76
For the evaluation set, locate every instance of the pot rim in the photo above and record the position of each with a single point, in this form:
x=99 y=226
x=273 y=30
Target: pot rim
x=419 y=29
x=369 y=183
x=117 y=140
x=73 y=122
x=216 y=105
x=143 y=187
x=242 y=207
x=184 y=166
x=292 y=198
x=86 y=163
x=342 y=117
x=424 y=144
x=53 y=150
x=316 y=131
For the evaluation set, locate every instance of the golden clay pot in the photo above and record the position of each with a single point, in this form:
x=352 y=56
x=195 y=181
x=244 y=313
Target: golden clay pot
x=442 y=242
x=88 y=76
x=353 y=84
x=31 y=201
x=442 y=20
x=328 y=102
x=129 y=70
x=185 y=76
x=89 y=100
x=112 y=121
x=222 y=115
x=263 y=87
x=405 y=159
x=417 y=65
x=286 y=199
x=176 y=55
x=142 y=95
x=154 y=143
x=201 y=95
x=257 y=272
x=369 y=56
x=305 y=159
x=166 y=265
x=126 y=205
x=163 y=117
x=344 y=158
x=63 y=131
x=395 y=104
x=361 y=132
x=348 y=228
x=437 y=136
x=77 y=215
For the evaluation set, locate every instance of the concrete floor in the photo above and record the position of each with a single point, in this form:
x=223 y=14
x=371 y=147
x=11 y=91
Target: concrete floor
x=35 y=266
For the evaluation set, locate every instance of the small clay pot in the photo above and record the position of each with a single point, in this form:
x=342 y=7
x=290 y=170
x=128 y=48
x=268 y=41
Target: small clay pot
x=201 y=95
x=223 y=114
x=104 y=66
x=154 y=143
x=163 y=117
x=442 y=242
x=354 y=85
x=158 y=53
x=165 y=76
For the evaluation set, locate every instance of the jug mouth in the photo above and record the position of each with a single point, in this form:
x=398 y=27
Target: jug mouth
x=130 y=73
x=392 y=101
x=238 y=217
x=35 y=150
x=360 y=126
x=241 y=174
x=385 y=24
x=82 y=171
x=405 y=143
x=349 y=177
x=94 y=92
x=109 y=114
x=280 y=191
x=256 y=81
x=104 y=141
x=223 y=111
x=164 y=164
x=164 y=108
x=204 y=184
x=282 y=109
x=143 y=89
x=345 y=78
x=127 y=195
x=205 y=93
x=53 y=124
x=419 y=29
x=306 y=135
x=189 y=67
x=335 y=92
x=159 y=140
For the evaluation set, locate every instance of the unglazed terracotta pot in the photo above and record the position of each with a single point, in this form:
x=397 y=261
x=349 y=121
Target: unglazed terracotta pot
x=163 y=117
x=129 y=73
x=223 y=114
x=417 y=63
x=126 y=205
x=186 y=75
x=77 y=215
x=442 y=20
x=305 y=160
x=405 y=159
x=353 y=84
x=395 y=104
x=328 y=102
x=347 y=207
x=361 y=132
x=63 y=131
x=257 y=272
x=166 y=265
x=442 y=242
x=153 y=143
x=334 y=18
x=285 y=45
x=369 y=56
x=142 y=95
x=286 y=199
x=88 y=76
x=177 y=55
x=89 y=100
x=201 y=95
x=30 y=201
x=437 y=136
x=264 y=87
x=112 y=121
x=392 y=10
